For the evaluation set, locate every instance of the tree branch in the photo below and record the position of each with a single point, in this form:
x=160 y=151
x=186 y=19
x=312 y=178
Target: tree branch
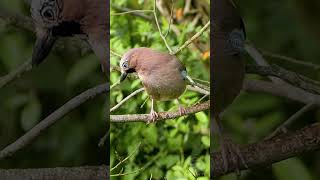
x=292 y=78
x=25 y=67
x=162 y=115
x=138 y=14
x=132 y=11
x=126 y=99
x=61 y=173
x=259 y=59
x=52 y=118
x=159 y=29
x=290 y=59
x=267 y=152
x=189 y=41
x=281 y=90
x=283 y=127
x=16 y=20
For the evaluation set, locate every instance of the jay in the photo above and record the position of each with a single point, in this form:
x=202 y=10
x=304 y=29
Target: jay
x=58 y=18
x=228 y=67
x=163 y=76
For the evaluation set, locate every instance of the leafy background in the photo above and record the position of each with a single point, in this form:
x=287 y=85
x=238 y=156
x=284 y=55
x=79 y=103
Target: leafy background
x=289 y=28
x=73 y=141
x=172 y=149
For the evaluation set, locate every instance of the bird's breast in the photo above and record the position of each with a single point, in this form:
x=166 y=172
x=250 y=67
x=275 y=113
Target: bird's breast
x=163 y=86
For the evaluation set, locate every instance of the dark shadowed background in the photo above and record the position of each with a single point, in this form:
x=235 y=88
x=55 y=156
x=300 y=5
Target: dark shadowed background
x=289 y=28
x=69 y=70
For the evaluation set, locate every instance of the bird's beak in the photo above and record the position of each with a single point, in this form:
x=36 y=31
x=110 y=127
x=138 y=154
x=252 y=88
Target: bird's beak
x=123 y=76
x=43 y=45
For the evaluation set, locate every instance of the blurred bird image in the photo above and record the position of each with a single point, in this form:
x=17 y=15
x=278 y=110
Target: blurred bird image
x=58 y=18
x=228 y=68
x=163 y=76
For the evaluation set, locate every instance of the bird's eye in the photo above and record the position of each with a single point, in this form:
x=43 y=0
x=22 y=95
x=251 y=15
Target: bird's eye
x=48 y=14
x=125 y=64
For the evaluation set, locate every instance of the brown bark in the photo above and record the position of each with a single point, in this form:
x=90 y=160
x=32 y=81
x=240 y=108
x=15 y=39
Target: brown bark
x=267 y=152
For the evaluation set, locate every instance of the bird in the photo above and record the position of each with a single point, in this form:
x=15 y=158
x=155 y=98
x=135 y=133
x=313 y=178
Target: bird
x=62 y=18
x=228 y=68
x=163 y=76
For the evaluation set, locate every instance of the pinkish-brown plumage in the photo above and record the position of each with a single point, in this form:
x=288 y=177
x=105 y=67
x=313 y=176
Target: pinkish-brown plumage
x=162 y=75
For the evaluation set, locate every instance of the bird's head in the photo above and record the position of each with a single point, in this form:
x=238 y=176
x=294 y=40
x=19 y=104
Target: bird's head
x=46 y=15
x=128 y=63
x=50 y=23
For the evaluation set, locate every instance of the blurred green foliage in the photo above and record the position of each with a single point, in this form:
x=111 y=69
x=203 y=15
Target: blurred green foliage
x=172 y=149
x=73 y=140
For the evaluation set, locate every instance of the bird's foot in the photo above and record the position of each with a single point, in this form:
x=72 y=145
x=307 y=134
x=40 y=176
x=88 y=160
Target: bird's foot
x=232 y=151
x=153 y=117
x=182 y=110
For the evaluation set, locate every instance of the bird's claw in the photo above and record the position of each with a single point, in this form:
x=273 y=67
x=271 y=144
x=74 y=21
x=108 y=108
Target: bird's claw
x=229 y=149
x=153 y=117
x=182 y=110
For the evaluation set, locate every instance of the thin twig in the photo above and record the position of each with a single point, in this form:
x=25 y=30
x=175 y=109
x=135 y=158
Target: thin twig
x=17 y=20
x=132 y=11
x=115 y=85
x=52 y=118
x=126 y=99
x=189 y=41
x=198 y=89
x=281 y=90
x=103 y=139
x=25 y=67
x=259 y=59
x=128 y=173
x=153 y=159
x=171 y=18
x=125 y=159
x=202 y=81
x=293 y=118
x=138 y=14
x=115 y=54
x=202 y=98
x=159 y=29
x=292 y=78
x=290 y=59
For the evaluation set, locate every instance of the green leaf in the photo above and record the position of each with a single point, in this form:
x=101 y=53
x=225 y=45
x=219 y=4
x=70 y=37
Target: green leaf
x=169 y=160
x=202 y=117
x=135 y=83
x=119 y=97
x=206 y=141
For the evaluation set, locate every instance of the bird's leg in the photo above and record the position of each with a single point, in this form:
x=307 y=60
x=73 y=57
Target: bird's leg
x=229 y=149
x=154 y=115
x=182 y=110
